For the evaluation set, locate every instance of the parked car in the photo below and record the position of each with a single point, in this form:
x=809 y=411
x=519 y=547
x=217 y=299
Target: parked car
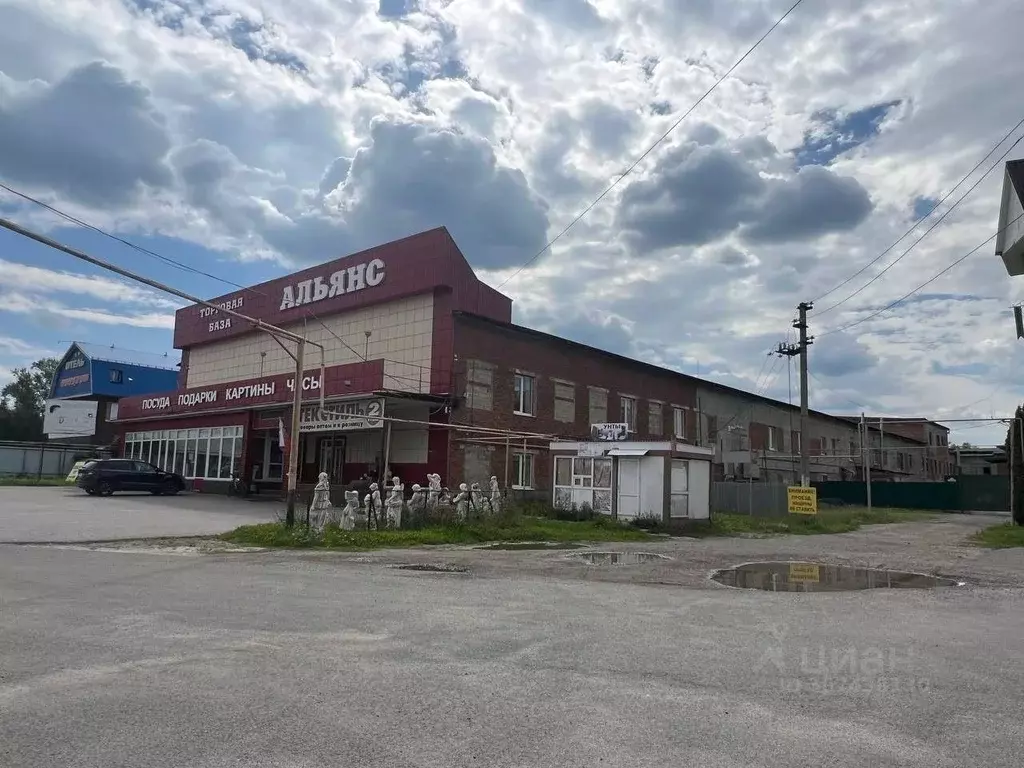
x=104 y=476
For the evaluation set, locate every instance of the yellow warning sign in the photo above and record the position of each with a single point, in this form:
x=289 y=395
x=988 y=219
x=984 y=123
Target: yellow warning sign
x=73 y=474
x=804 y=572
x=802 y=501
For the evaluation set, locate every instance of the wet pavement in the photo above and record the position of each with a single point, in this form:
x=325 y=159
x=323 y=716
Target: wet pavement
x=121 y=655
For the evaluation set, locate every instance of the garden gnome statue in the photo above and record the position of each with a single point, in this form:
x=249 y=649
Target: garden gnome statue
x=320 y=510
x=396 y=500
x=350 y=511
x=434 y=494
x=373 y=508
x=418 y=503
x=495 y=495
x=462 y=502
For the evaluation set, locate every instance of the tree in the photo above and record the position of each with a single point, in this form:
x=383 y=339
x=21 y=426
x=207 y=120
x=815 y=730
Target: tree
x=23 y=398
x=1017 y=465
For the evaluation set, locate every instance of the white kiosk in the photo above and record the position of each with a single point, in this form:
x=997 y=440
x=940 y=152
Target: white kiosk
x=668 y=480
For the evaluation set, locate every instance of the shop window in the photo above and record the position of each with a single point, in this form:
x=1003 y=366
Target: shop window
x=116 y=376
x=522 y=471
x=583 y=482
x=654 y=425
x=628 y=412
x=679 y=423
x=210 y=453
x=525 y=394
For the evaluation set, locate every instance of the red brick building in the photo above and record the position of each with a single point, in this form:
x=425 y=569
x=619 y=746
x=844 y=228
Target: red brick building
x=409 y=333
x=432 y=377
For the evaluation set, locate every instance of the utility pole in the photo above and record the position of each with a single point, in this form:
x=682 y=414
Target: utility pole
x=800 y=349
x=805 y=341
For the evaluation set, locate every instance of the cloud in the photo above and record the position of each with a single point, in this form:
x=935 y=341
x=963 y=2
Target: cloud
x=699 y=193
x=408 y=178
x=55 y=314
x=93 y=136
x=36 y=280
x=21 y=348
x=841 y=356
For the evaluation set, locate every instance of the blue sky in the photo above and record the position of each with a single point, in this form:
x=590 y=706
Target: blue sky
x=248 y=143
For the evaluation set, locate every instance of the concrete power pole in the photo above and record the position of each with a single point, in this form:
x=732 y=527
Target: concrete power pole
x=800 y=349
x=805 y=341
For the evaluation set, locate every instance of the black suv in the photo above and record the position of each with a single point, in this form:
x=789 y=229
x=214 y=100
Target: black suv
x=104 y=476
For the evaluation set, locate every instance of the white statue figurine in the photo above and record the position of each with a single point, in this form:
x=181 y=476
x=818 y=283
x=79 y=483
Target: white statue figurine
x=495 y=495
x=434 y=492
x=350 y=511
x=396 y=500
x=373 y=507
x=418 y=503
x=461 y=502
x=321 y=509
x=476 y=499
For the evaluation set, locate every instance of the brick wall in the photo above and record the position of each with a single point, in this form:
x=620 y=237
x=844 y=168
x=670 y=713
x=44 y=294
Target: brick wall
x=487 y=350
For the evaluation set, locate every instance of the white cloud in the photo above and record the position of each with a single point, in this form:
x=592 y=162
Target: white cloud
x=37 y=280
x=63 y=314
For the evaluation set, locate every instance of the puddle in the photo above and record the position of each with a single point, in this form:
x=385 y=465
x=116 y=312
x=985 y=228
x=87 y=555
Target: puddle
x=619 y=558
x=816 y=577
x=433 y=567
x=522 y=545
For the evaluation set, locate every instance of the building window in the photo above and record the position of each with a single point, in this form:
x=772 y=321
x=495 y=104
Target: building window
x=522 y=471
x=773 y=438
x=654 y=419
x=212 y=453
x=835 y=446
x=797 y=447
x=565 y=402
x=112 y=411
x=524 y=396
x=679 y=423
x=598 y=406
x=479 y=385
x=628 y=412
x=116 y=376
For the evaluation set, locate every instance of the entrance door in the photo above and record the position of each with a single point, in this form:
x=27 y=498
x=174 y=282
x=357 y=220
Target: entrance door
x=629 y=487
x=332 y=457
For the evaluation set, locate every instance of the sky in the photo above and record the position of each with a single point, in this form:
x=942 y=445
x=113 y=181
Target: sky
x=249 y=139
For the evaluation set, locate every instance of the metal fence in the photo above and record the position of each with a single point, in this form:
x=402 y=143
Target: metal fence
x=39 y=460
x=750 y=498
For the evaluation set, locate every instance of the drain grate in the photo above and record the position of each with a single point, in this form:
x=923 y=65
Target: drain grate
x=818 y=577
x=620 y=558
x=433 y=567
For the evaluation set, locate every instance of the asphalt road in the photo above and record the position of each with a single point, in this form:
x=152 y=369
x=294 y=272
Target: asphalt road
x=68 y=514
x=268 y=659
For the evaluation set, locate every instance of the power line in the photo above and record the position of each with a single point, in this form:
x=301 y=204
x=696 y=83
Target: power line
x=926 y=283
x=654 y=146
x=923 y=217
x=938 y=221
